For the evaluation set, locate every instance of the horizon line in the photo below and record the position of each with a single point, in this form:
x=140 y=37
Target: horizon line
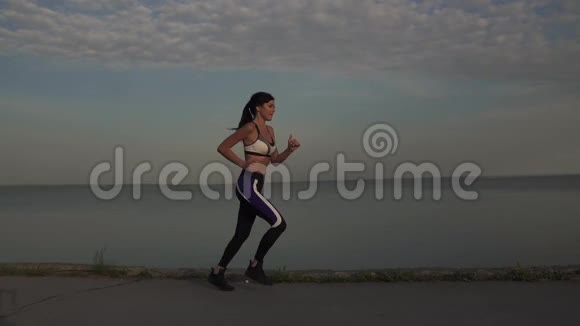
x=515 y=176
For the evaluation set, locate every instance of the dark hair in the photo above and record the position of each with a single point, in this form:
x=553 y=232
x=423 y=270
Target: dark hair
x=249 y=112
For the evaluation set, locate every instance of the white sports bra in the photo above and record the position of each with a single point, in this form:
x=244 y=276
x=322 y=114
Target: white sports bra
x=261 y=146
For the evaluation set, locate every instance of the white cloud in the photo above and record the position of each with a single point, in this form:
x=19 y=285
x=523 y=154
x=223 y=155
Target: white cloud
x=475 y=38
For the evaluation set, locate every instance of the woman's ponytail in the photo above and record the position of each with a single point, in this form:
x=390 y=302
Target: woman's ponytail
x=249 y=111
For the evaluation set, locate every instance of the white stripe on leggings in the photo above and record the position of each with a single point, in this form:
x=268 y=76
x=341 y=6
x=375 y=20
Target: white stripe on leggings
x=278 y=217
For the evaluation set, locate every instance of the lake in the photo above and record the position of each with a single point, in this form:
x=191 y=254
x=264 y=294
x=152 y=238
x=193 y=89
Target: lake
x=526 y=220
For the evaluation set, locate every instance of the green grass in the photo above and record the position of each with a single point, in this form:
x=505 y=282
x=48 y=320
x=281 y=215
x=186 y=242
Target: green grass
x=527 y=274
x=100 y=267
x=14 y=270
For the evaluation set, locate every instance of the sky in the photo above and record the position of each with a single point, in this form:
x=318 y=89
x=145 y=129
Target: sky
x=486 y=81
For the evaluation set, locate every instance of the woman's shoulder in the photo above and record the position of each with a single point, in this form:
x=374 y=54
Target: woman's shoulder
x=248 y=126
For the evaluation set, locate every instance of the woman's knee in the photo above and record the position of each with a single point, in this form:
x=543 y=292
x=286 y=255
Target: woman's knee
x=282 y=226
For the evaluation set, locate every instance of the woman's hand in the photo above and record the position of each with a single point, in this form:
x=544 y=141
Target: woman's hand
x=293 y=143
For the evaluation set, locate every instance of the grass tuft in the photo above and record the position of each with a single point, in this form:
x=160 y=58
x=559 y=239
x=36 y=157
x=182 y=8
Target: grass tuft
x=101 y=267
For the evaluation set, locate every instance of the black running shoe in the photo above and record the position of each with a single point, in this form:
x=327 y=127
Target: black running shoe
x=219 y=280
x=257 y=274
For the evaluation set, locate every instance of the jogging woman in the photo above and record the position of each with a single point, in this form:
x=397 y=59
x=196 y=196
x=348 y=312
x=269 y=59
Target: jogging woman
x=259 y=151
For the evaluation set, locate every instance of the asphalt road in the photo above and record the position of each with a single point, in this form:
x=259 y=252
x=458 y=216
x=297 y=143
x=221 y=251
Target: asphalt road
x=86 y=301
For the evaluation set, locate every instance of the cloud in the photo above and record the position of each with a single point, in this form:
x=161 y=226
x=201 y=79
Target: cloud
x=529 y=39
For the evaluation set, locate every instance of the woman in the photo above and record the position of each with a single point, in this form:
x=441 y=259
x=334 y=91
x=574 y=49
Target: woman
x=260 y=150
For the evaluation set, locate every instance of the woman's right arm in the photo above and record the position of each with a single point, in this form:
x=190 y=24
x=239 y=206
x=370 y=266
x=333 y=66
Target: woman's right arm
x=225 y=148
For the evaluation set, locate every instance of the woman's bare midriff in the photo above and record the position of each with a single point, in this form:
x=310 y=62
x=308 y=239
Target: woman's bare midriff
x=257 y=164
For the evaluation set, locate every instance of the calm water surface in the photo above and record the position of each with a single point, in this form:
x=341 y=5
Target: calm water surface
x=533 y=220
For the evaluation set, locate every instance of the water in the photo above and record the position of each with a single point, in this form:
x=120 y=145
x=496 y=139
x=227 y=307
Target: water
x=532 y=220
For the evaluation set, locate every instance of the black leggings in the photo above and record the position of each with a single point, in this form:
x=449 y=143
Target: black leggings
x=252 y=202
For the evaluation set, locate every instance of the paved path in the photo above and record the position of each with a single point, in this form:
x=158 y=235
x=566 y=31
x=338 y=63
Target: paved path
x=86 y=301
